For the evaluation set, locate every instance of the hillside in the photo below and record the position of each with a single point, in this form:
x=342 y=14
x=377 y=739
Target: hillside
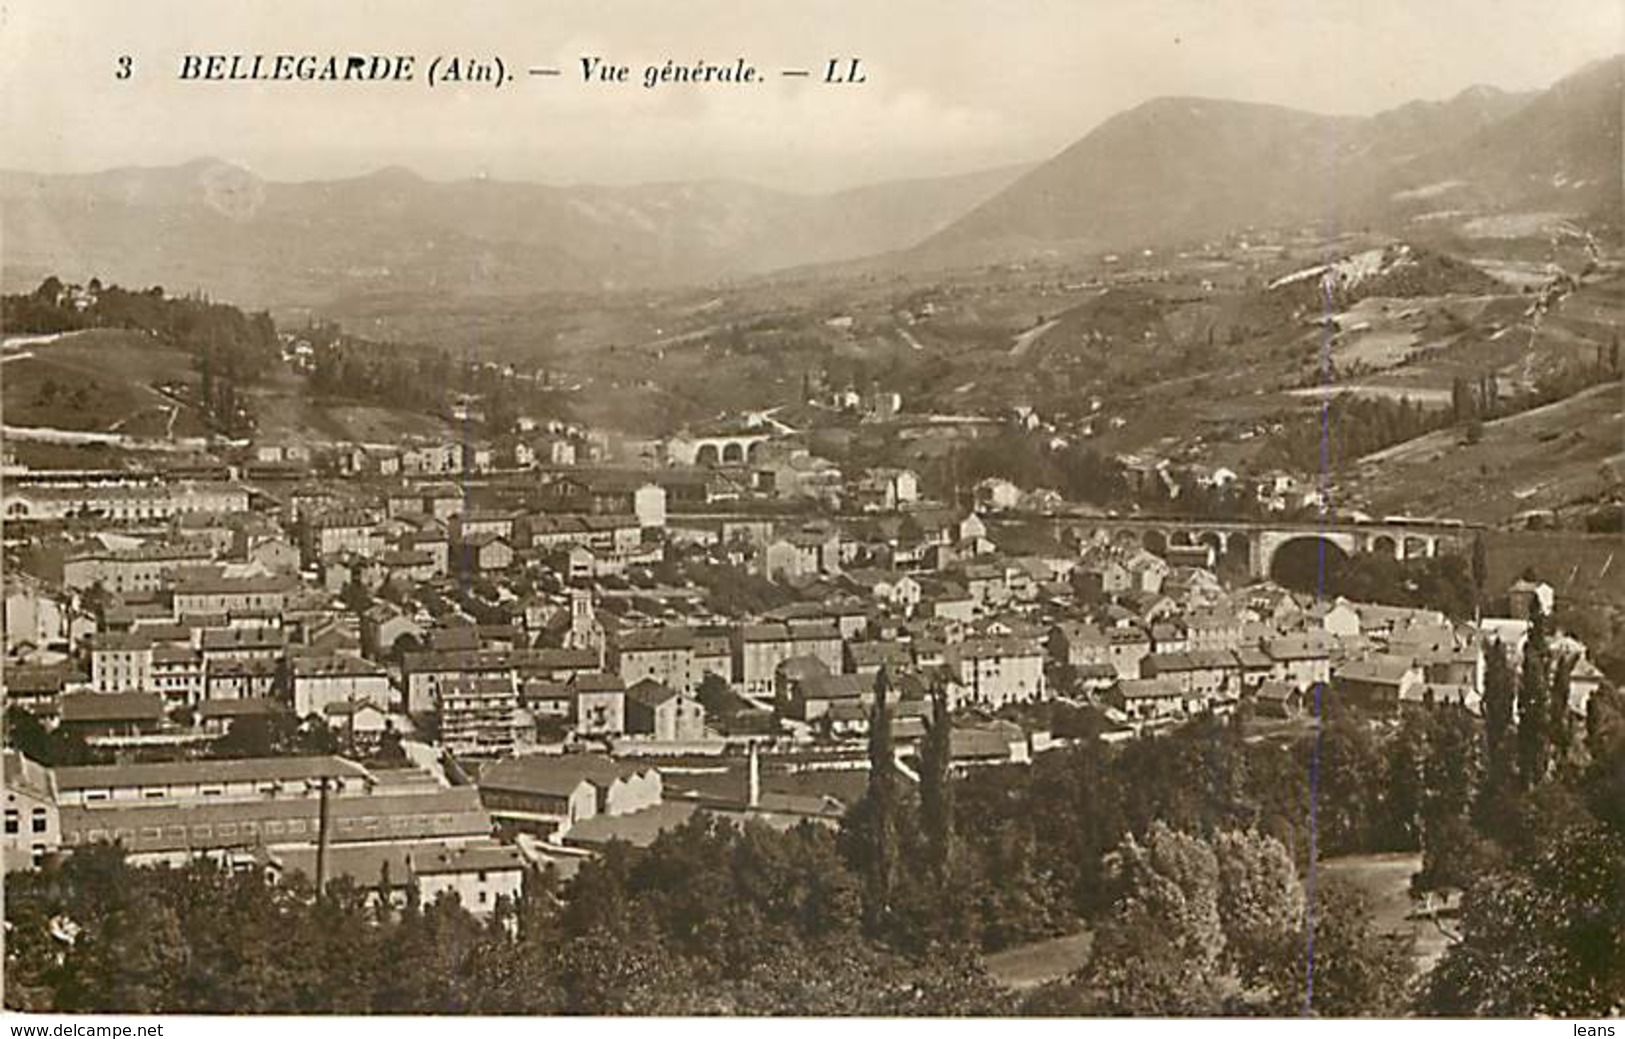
x=1538 y=460
x=1181 y=170
x=1398 y=270
x=1559 y=152
x=1173 y=169
x=101 y=381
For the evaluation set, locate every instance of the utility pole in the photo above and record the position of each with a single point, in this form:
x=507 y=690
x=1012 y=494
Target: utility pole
x=321 y=840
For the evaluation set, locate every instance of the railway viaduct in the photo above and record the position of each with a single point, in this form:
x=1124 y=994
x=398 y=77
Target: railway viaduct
x=1402 y=539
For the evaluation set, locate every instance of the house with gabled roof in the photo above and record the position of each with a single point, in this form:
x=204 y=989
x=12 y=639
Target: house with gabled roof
x=658 y=711
x=1378 y=683
x=549 y=794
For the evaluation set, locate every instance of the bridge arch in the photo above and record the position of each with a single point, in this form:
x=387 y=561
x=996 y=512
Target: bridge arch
x=1299 y=560
x=1155 y=541
x=733 y=453
x=1385 y=545
x=707 y=455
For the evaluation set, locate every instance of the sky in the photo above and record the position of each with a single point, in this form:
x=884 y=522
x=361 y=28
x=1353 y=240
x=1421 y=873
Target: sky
x=952 y=85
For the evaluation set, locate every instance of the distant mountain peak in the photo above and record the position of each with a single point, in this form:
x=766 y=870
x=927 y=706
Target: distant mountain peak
x=1480 y=92
x=393 y=174
x=211 y=224
x=1180 y=169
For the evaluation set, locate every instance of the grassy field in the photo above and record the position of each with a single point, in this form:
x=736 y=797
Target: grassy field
x=1029 y=966
x=1385 y=881
x=1540 y=459
x=109 y=381
x=1581 y=568
x=102 y=381
x=284 y=411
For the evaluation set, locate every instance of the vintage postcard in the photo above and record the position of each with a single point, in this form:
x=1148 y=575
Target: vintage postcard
x=1056 y=508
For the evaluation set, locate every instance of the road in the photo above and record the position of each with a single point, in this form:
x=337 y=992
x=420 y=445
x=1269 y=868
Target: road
x=1025 y=341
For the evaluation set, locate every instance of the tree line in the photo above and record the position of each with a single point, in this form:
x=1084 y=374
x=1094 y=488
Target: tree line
x=1189 y=859
x=242 y=346
x=230 y=348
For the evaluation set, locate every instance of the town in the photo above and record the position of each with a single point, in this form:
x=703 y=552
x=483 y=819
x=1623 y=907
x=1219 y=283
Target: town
x=515 y=652
x=959 y=546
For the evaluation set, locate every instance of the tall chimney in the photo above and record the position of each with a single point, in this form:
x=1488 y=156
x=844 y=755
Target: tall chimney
x=755 y=776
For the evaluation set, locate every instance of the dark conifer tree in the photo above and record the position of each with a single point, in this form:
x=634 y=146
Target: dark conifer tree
x=1534 y=711
x=1499 y=693
x=1559 y=728
x=936 y=782
x=1481 y=567
x=881 y=867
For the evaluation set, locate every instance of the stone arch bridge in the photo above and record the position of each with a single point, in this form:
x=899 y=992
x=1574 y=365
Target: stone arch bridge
x=718 y=449
x=1262 y=540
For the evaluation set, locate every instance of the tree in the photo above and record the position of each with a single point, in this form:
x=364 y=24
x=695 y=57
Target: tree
x=1158 y=952
x=1451 y=850
x=1480 y=566
x=1534 y=712
x=1544 y=937
x=52 y=748
x=1357 y=971
x=1462 y=406
x=880 y=802
x=390 y=747
x=1261 y=908
x=206 y=380
x=1348 y=799
x=717 y=697
x=256 y=736
x=1500 y=742
x=936 y=782
x=1404 y=786
x=357 y=598
x=1500 y=693
x=315 y=736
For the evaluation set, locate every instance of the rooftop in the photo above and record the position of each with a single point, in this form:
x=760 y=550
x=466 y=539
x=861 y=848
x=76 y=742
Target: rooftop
x=556 y=775
x=112 y=707
x=639 y=829
x=237 y=770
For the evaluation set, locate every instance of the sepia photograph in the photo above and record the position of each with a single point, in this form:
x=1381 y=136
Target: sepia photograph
x=1045 y=509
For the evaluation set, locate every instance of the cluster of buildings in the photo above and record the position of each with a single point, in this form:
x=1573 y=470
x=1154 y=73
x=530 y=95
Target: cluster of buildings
x=555 y=647
x=268 y=814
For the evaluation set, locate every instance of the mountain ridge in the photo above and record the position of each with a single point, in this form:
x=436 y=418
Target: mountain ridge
x=1174 y=169
x=143 y=225
x=1171 y=169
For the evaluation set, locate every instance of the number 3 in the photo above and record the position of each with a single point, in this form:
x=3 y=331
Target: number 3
x=123 y=67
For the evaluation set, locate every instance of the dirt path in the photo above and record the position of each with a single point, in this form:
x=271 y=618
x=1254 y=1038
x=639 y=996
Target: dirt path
x=1025 y=341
